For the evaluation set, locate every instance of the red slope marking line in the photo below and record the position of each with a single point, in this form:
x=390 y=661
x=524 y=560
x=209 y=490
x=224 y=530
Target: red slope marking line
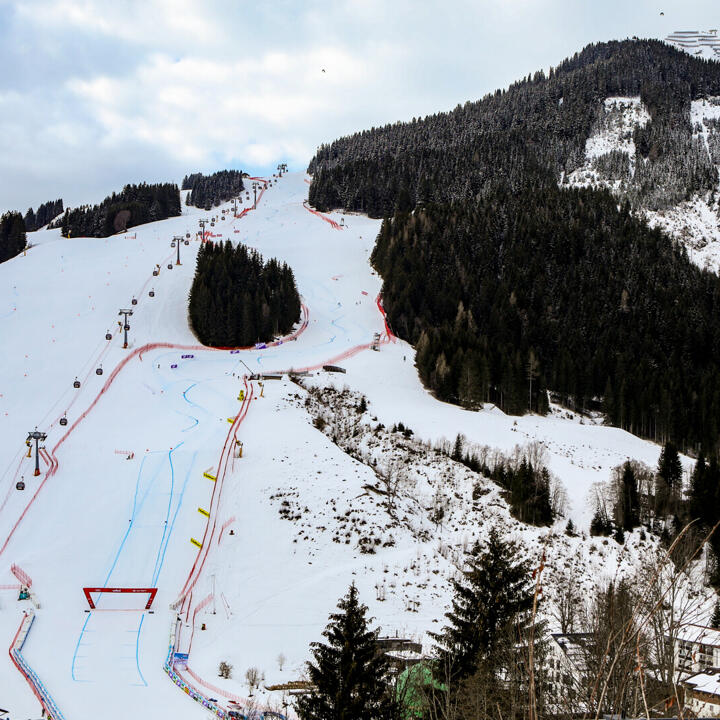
x=328 y=220
x=208 y=535
x=388 y=337
x=11 y=653
x=103 y=352
x=224 y=527
x=200 y=606
x=137 y=352
x=388 y=331
x=224 y=693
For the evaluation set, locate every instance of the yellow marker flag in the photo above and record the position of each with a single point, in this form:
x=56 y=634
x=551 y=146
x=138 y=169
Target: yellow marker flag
x=204 y=512
x=195 y=542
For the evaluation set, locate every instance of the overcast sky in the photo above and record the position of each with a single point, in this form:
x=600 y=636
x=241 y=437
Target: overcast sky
x=98 y=93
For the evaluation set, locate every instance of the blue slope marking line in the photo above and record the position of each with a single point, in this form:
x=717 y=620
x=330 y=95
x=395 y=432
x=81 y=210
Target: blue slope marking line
x=190 y=402
x=136 y=508
x=187 y=399
x=137 y=650
x=161 y=551
x=338 y=326
x=77 y=647
x=177 y=510
x=190 y=427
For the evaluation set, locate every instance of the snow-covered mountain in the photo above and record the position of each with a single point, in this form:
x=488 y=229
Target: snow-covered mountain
x=694 y=222
x=149 y=461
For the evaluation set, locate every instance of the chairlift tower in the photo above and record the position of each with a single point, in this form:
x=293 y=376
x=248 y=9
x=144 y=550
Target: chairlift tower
x=126 y=325
x=255 y=187
x=178 y=239
x=202 y=224
x=37 y=437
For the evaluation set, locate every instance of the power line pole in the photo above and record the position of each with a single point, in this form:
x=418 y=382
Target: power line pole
x=37 y=437
x=126 y=325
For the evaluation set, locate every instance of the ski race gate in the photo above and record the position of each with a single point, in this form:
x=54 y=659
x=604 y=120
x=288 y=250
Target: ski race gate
x=89 y=590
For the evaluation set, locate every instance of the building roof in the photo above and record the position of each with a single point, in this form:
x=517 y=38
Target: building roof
x=699 y=634
x=706 y=681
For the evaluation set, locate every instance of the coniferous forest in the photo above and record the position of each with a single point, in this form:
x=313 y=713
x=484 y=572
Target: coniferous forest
x=539 y=122
x=207 y=191
x=237 y=299
x=563 y=285
x=12 y=235
x=511 y=285
x=47 y=212
x=134 y=205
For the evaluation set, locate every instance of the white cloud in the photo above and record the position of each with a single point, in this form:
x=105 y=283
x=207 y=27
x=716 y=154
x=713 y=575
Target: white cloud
x=102 y=93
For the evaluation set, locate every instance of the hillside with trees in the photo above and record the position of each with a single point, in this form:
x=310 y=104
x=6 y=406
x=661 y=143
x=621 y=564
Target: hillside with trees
x=237 y=299
x=539 y=122
x=45 y=214
x=12 y=235
x=134 y=205
x=207 y=191
x=509 y=284
x=520 y=292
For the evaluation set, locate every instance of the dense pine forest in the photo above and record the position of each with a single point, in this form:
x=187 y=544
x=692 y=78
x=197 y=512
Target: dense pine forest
x=509 y=284
x=135 y=205
x=541 y=121
x=563 y=286
x=207 y=191
x=12 y=235
x=47 y=212
x=237 y=299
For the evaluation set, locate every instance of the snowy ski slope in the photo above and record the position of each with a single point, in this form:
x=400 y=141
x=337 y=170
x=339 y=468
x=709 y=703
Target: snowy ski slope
x=96 y=518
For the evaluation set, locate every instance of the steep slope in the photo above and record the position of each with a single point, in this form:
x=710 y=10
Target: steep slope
x=102 y=518
x=536 y=128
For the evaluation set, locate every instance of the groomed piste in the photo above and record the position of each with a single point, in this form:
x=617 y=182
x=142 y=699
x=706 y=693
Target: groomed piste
x=169 y=468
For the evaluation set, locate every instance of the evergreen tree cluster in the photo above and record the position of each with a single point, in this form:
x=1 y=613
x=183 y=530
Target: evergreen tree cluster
x=526 y=483
x=47 y=212
x=237 y=299
x=564 y=288
x=12 y=235
x=207 y=191
x=134 y=205
x=539 y=122
x=189 y=181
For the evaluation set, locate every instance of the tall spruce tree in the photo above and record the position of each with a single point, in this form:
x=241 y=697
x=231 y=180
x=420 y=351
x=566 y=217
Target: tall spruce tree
x=491 y=601
x=349 y=674
x=629 y=500
x=669 y=479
